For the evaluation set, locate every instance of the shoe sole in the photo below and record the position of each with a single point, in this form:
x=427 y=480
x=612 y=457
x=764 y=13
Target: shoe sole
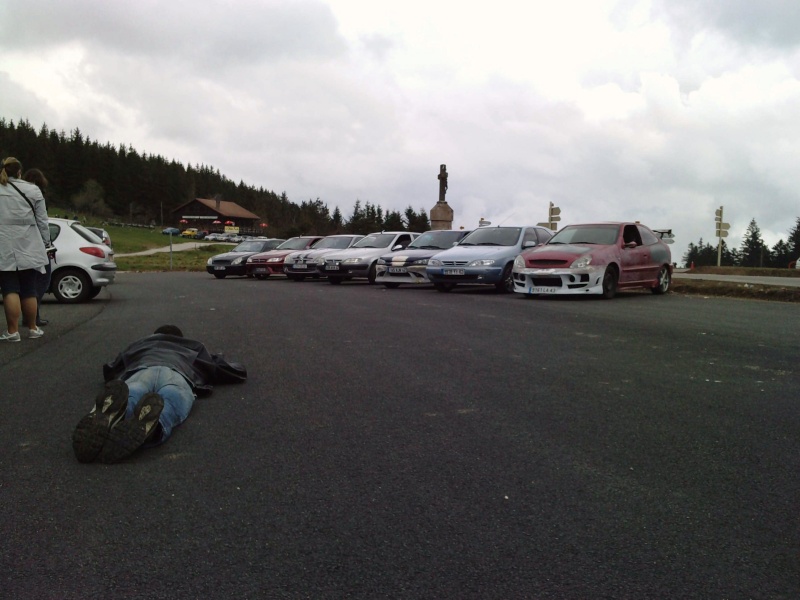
x=129 y=435
x=92 y=430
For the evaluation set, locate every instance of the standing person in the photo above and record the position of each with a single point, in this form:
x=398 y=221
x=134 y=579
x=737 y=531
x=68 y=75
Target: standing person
x=150 y=389
x=37 y=178
x=24 y=235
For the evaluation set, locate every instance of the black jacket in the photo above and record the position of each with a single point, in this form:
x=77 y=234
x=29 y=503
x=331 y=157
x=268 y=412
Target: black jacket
x=189 y=357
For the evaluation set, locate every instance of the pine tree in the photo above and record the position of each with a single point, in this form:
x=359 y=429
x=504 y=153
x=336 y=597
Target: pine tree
x=753 y=252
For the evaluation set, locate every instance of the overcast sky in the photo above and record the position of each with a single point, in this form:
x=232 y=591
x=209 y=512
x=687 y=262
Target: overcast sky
x=652 y=110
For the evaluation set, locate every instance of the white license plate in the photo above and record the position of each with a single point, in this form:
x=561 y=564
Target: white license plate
x=300 y=266
x=332 y=268
x=542 y=290
x=398 y=270
x=219 y=268
x=453 y=272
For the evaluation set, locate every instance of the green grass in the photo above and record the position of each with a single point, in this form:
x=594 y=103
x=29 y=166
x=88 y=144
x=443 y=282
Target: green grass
x=185 y=260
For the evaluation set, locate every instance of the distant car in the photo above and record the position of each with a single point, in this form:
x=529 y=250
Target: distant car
x=361 y=260
x=189 y=232
x=596 y=258
x=408 y=266
x=101 y=233
x=200 y=235
x=171 y=231
x=214 y=237
x=264 y=264
x=82 y=266
x=485 y=256
x=235 y=261
x=303 y=263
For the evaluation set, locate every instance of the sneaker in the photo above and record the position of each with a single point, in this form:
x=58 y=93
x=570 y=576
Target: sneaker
x=92 y=430
x=10 y=337
x=36 y=333
x=129 y=435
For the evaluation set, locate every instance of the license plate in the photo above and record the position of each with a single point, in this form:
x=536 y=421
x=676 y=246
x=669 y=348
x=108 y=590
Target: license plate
x=332 y=268
x=260 y=270
x=453 y=272
x=219 y=268
x=398 y=270
x=542 y=290
x=300 y=266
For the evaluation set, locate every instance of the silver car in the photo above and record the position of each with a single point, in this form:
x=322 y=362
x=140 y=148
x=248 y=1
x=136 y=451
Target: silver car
x=82 y=265
x=303 y=263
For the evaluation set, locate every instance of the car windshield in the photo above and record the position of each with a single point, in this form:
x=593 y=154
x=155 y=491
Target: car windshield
x=336 y=243
x=492 y=236
x=436 y=240
x=251 y=246
x=296 y=243
x=89 y=236
x=376 y=240
x=586 y=234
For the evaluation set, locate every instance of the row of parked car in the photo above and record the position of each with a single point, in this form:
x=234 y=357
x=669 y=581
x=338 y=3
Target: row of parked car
x=592 y=258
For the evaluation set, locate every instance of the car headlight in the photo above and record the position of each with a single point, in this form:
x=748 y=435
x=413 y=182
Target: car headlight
x=320 y=261
x=210 y=262
x=382 y=262
x=420 y=262
x=275 y=259
x=352 y=261
x=434 y=262
x=483 y=262
x=249 y=260
x=237 y=261
x=519 y=263
x=582 y=262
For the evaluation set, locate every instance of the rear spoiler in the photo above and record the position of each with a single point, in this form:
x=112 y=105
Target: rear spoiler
x=666 y=235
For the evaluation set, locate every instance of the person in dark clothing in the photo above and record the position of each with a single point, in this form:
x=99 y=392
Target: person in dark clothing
x=150 y=389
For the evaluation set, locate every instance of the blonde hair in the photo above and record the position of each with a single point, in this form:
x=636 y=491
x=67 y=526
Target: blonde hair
x=9 y=164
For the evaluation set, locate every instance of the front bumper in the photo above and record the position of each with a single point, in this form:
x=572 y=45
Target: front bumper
x=345 y=270
x=265 y=269
x=490 y=275
x=588 y=280
x=392 y=274
x=227 y=269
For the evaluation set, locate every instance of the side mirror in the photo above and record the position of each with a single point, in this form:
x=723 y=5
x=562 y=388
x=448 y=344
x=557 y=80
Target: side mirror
x=629 y=245
x=528 y=244
x=398 y=247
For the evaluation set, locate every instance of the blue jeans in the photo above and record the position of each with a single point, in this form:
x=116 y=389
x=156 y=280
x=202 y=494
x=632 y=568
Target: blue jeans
x=173 y=388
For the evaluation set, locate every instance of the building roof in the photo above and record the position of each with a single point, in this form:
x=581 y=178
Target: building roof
x=225 y=208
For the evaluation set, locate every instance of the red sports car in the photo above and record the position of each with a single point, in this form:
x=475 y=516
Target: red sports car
x=597 y=258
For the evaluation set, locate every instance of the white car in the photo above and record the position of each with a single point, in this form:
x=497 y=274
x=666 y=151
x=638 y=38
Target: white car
x=82 y=266
x=361 y=259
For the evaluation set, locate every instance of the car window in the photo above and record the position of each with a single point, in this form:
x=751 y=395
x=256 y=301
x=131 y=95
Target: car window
x=648 y=237
x=295 y=243
x=436 y=240
x=335 y=243
x=493 y=236
x=586 y=234
x=375 y=240
x=631 y=234
x=530 y=236
x=55 y=230
x=85 y=234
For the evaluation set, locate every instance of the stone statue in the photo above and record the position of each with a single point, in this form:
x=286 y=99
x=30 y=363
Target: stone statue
x=442 y=182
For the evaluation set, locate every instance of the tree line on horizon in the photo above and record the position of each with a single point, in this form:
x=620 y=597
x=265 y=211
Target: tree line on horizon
x=753 y=251
x=120 y=184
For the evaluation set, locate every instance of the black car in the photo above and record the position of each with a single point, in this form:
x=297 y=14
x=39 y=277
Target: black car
x=235 y=261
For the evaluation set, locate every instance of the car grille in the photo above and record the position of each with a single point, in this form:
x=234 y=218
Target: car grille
x=333 y=262
x=220 y=262
x=545 y=264
x=455 y=263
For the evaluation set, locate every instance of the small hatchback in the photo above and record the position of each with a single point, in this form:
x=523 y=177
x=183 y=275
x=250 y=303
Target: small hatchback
x=82 y=266
x=485 y=256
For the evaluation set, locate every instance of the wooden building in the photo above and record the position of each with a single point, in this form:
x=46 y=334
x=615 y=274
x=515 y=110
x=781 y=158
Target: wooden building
x=216 y=215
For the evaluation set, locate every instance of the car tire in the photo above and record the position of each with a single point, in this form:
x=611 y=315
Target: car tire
x=71 y=286
x=373 y=273
x=444 y=287
x=391 y=286
x=664 y=281
x=95 y=291
x=219 y=275
x=610 y=283
x=506 y=283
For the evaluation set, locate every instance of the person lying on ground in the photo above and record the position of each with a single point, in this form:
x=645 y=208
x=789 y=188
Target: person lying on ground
x=150 y=389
